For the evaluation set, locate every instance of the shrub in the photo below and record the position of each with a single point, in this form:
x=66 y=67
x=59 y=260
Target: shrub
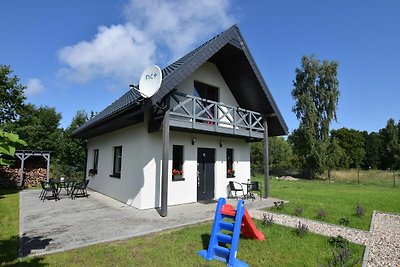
x=339 y=242
x=360 y=210
x=268 y=219
x=344 y=221
x=301 y=229
x=298 y=211
x=321 y=214
x=342 y=257
x=279 y=205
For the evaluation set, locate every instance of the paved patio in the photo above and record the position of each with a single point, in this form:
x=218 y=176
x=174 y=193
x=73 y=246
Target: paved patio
x=53 y=226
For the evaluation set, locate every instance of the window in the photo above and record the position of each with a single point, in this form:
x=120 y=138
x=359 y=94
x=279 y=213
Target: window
x=230 y=172
x=177 y=163
x=95 y=159
x=207 y=92
x=117 y=162
x=93 y=171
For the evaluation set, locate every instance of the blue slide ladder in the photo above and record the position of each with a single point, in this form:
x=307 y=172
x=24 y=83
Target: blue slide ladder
x=223 y=253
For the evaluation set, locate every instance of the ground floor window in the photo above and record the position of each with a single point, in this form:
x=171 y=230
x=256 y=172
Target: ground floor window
x=117 y=162
x=230 y=172
x=93 y=171
x=177 y=163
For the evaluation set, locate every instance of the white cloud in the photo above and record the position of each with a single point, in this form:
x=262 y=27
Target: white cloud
x=118 y=51
x=34 y=87
x=155 y=31
x=179 y=24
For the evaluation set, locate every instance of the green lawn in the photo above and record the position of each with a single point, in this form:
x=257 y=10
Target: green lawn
x=9 y=224
x=338 y=199
x=179 y=247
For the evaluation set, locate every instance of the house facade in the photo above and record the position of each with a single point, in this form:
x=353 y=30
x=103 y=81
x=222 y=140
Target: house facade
x=190 y=139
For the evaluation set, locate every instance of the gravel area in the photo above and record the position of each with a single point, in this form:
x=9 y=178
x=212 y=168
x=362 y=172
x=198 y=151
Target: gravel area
x=384 y=248
x=353 y=235
x=382 y=241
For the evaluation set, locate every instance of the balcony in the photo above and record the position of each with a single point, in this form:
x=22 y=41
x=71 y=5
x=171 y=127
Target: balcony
x=196 y=113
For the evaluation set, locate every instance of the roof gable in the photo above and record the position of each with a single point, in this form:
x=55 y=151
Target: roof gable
x=233 y=59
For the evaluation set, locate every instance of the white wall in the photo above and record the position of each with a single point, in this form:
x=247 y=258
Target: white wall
x=139 y=184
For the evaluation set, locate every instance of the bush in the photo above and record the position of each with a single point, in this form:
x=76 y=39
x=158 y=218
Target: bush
x=298 y=211
x=279 y=205
x=339 y=242
x=321 y=214
x=301 y=229
x=268 y=220
x=344 y=221
x=360 y=210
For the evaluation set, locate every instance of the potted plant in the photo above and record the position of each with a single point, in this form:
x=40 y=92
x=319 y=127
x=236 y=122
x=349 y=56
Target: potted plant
x=92 y=172
x=177 y=174
x=230 y=173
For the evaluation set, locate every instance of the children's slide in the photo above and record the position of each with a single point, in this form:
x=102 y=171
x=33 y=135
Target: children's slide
x=248 y=229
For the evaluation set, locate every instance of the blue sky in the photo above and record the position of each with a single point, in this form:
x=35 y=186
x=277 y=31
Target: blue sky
x=83 y=54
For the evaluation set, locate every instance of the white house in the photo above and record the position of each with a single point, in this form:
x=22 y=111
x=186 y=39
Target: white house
x=186 y=142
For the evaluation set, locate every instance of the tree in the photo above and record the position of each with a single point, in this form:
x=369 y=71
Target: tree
x=8 y=141
x=39 y=127
x=11 y=95
x=373 y=150
x=72 y=153
x=316 y=96
x=353 y=144
x=280 y=155
x=391 y=145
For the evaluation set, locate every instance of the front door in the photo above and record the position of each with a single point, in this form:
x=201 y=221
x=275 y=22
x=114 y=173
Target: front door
x=205 y=173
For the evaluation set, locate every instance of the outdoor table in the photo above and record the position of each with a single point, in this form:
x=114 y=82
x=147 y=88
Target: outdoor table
x=248 y=194
x=68 y=184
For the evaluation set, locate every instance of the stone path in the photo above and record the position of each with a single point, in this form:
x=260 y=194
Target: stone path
x=382 y=241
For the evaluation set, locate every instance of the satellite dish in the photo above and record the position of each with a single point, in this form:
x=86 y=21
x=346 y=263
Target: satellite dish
x=150 y=81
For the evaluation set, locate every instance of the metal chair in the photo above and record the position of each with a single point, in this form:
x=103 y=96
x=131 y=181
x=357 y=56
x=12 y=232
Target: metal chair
x=235 y=187
x=80 y=189
x=46 y=188
x=254 y=187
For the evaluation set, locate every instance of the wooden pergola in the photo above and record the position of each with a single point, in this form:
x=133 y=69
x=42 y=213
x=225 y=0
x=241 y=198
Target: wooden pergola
x=25 y=154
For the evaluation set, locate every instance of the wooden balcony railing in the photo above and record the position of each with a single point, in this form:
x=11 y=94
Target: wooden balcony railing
x=188 y=111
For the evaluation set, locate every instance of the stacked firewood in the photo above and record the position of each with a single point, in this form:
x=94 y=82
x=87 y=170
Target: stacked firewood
x=9 y=177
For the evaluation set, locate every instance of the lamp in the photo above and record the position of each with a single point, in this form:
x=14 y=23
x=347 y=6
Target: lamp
x=193 y=140
x=221 y=143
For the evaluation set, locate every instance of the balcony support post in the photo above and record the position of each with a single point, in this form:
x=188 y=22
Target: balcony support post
x=266 y=158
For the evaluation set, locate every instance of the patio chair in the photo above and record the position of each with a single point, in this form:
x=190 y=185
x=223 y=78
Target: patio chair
x=80 y=189
x=235 y=187
x=254 y=187
x=46 y=188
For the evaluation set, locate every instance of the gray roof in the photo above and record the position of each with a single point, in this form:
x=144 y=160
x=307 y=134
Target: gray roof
x=229 y=52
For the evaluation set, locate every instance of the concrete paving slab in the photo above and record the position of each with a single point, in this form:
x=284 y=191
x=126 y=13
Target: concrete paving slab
x=52 y=226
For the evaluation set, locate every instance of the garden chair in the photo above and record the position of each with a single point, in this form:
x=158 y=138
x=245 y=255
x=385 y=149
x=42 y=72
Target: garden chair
x=235 y=187
x=80 y=189
x=46 y=188
x=254 y=187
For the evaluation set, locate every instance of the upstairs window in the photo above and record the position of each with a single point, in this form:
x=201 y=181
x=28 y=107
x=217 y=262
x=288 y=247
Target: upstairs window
x=117 y=162
x=208 y=92
x=177 y=163
x=230 y=172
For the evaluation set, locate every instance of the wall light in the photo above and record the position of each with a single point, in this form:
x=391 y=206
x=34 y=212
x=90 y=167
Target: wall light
x=221 y=143
x=193 y=140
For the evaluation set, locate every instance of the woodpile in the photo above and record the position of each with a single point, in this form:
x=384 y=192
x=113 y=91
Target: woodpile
x=9 y=177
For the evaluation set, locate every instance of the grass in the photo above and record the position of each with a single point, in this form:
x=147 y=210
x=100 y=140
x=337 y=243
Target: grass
x=338 y=199
x=282 y=247
x=9 y=224
x=178 y=247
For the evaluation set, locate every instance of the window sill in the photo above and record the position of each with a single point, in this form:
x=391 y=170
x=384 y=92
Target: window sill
x=176 y=178
x=115 y=175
